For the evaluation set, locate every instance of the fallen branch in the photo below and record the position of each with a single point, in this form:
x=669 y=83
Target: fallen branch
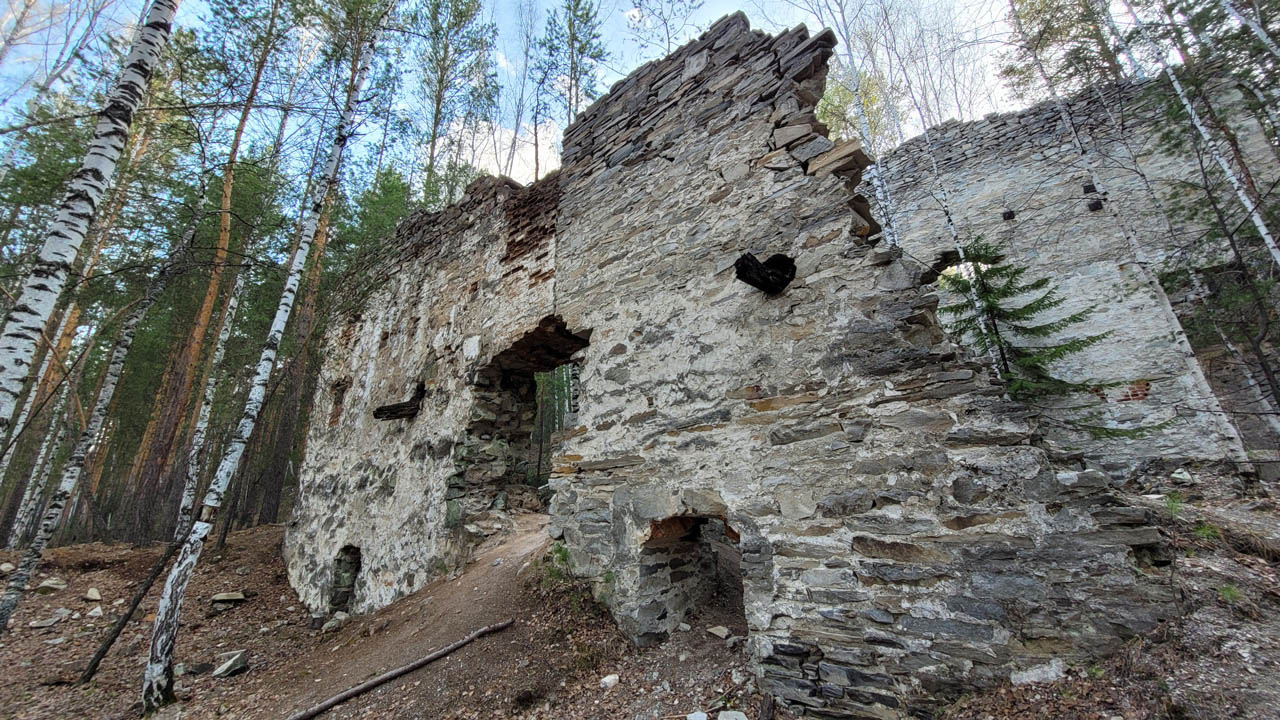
x=393 y=674
x=92 y=668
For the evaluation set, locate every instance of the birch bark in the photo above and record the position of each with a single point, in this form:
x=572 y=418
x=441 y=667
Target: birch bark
x=75 y=464
x=1254 y=26
x=1141 y=262
x=157 y=684
x=34 y=491
x=1238 y=183
x=27 y=319
x=30 y=402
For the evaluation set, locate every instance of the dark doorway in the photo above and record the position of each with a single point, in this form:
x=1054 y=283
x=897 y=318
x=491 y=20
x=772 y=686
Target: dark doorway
x=346 y=570
x=691 y=571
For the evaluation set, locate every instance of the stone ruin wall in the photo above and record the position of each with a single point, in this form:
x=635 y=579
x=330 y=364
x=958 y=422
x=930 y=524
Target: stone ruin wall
x=399 y=490
x=902 y=535
x=1025 y=163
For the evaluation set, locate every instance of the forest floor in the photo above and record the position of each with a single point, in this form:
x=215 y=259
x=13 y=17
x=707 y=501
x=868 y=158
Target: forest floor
x=1221 y=660
x=547 y=665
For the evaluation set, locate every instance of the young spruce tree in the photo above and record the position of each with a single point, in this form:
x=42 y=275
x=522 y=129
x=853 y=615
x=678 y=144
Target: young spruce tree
x=1004 y=315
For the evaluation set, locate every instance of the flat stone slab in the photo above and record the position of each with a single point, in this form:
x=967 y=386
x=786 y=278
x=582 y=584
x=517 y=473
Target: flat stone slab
x=231 y=663
x=51 y=586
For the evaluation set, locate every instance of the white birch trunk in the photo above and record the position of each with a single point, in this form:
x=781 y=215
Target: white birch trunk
x=30 y=314
x=1242 y=193
x=31 y=397
x=34 y=492
x=75 y=464
x=836 y=17
x=194 y=466
x=1254 y=26
x=1189 y=359
x=157 y=683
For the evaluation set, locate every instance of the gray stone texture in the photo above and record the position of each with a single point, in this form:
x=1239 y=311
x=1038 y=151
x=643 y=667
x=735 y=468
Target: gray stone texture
x=901 y=535
x=1026 y=162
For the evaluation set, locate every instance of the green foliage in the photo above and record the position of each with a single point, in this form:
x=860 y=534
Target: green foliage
x=1205 y=531
x=572 y=51
x=458 y=86
x=554 y=392
x=838 y=108
x=1230 y=594
x=1071 y=40
x=1001 y=311
x=1173 y=503
x=661 y=25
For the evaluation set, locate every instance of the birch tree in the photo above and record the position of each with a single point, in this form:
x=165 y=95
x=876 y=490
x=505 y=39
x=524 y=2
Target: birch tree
x=157 y=685
x=256 y=30
x=80 y=32
x=47 y=279
x=1136 y=251
x=33 y=493
x=74 y=468
x=1254 y=26
x=659 y=26
x=1236 y=176
x=849 y=20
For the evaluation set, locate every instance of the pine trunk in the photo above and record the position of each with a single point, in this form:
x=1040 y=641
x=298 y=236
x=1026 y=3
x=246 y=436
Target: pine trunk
x=66 y=232
x=162 y=436
x=157 y=686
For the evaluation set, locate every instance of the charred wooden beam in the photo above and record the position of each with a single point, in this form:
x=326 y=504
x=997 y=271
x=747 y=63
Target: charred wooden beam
x=772 y=275
x=402 y=410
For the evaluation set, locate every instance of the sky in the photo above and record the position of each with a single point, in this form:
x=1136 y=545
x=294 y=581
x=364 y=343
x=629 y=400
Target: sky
x=625 y=52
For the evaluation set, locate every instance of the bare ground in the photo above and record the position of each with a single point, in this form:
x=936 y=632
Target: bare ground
x=1222 y=660
x=548 y=664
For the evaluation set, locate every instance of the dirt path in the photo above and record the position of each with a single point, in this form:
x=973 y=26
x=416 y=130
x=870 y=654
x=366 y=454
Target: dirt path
x=547 y=665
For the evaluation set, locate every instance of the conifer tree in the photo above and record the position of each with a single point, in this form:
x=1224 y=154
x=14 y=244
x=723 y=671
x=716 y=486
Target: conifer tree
x=1008 y=321
x=573 y=51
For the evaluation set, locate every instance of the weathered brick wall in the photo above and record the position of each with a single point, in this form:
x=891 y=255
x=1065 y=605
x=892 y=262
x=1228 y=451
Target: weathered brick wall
x=902 y=537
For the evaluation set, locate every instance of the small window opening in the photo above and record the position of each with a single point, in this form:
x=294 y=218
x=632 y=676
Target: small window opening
x=1009 y=215
x=1090 y=188
x=1095 y=205
x=346 y=570
x=339 y=391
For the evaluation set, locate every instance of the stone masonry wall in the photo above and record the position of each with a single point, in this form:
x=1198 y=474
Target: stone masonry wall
x=463 y=285
x=1024 y=164
x=902 y=535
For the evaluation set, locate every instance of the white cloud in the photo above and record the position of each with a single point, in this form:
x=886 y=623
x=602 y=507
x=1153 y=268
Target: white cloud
x=482 y=149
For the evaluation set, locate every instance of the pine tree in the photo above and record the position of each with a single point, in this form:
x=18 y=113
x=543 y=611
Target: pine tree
x=573 y=51
x=1012 y=328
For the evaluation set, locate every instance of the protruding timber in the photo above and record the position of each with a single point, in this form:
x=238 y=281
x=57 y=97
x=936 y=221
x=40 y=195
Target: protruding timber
x=402 y=410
